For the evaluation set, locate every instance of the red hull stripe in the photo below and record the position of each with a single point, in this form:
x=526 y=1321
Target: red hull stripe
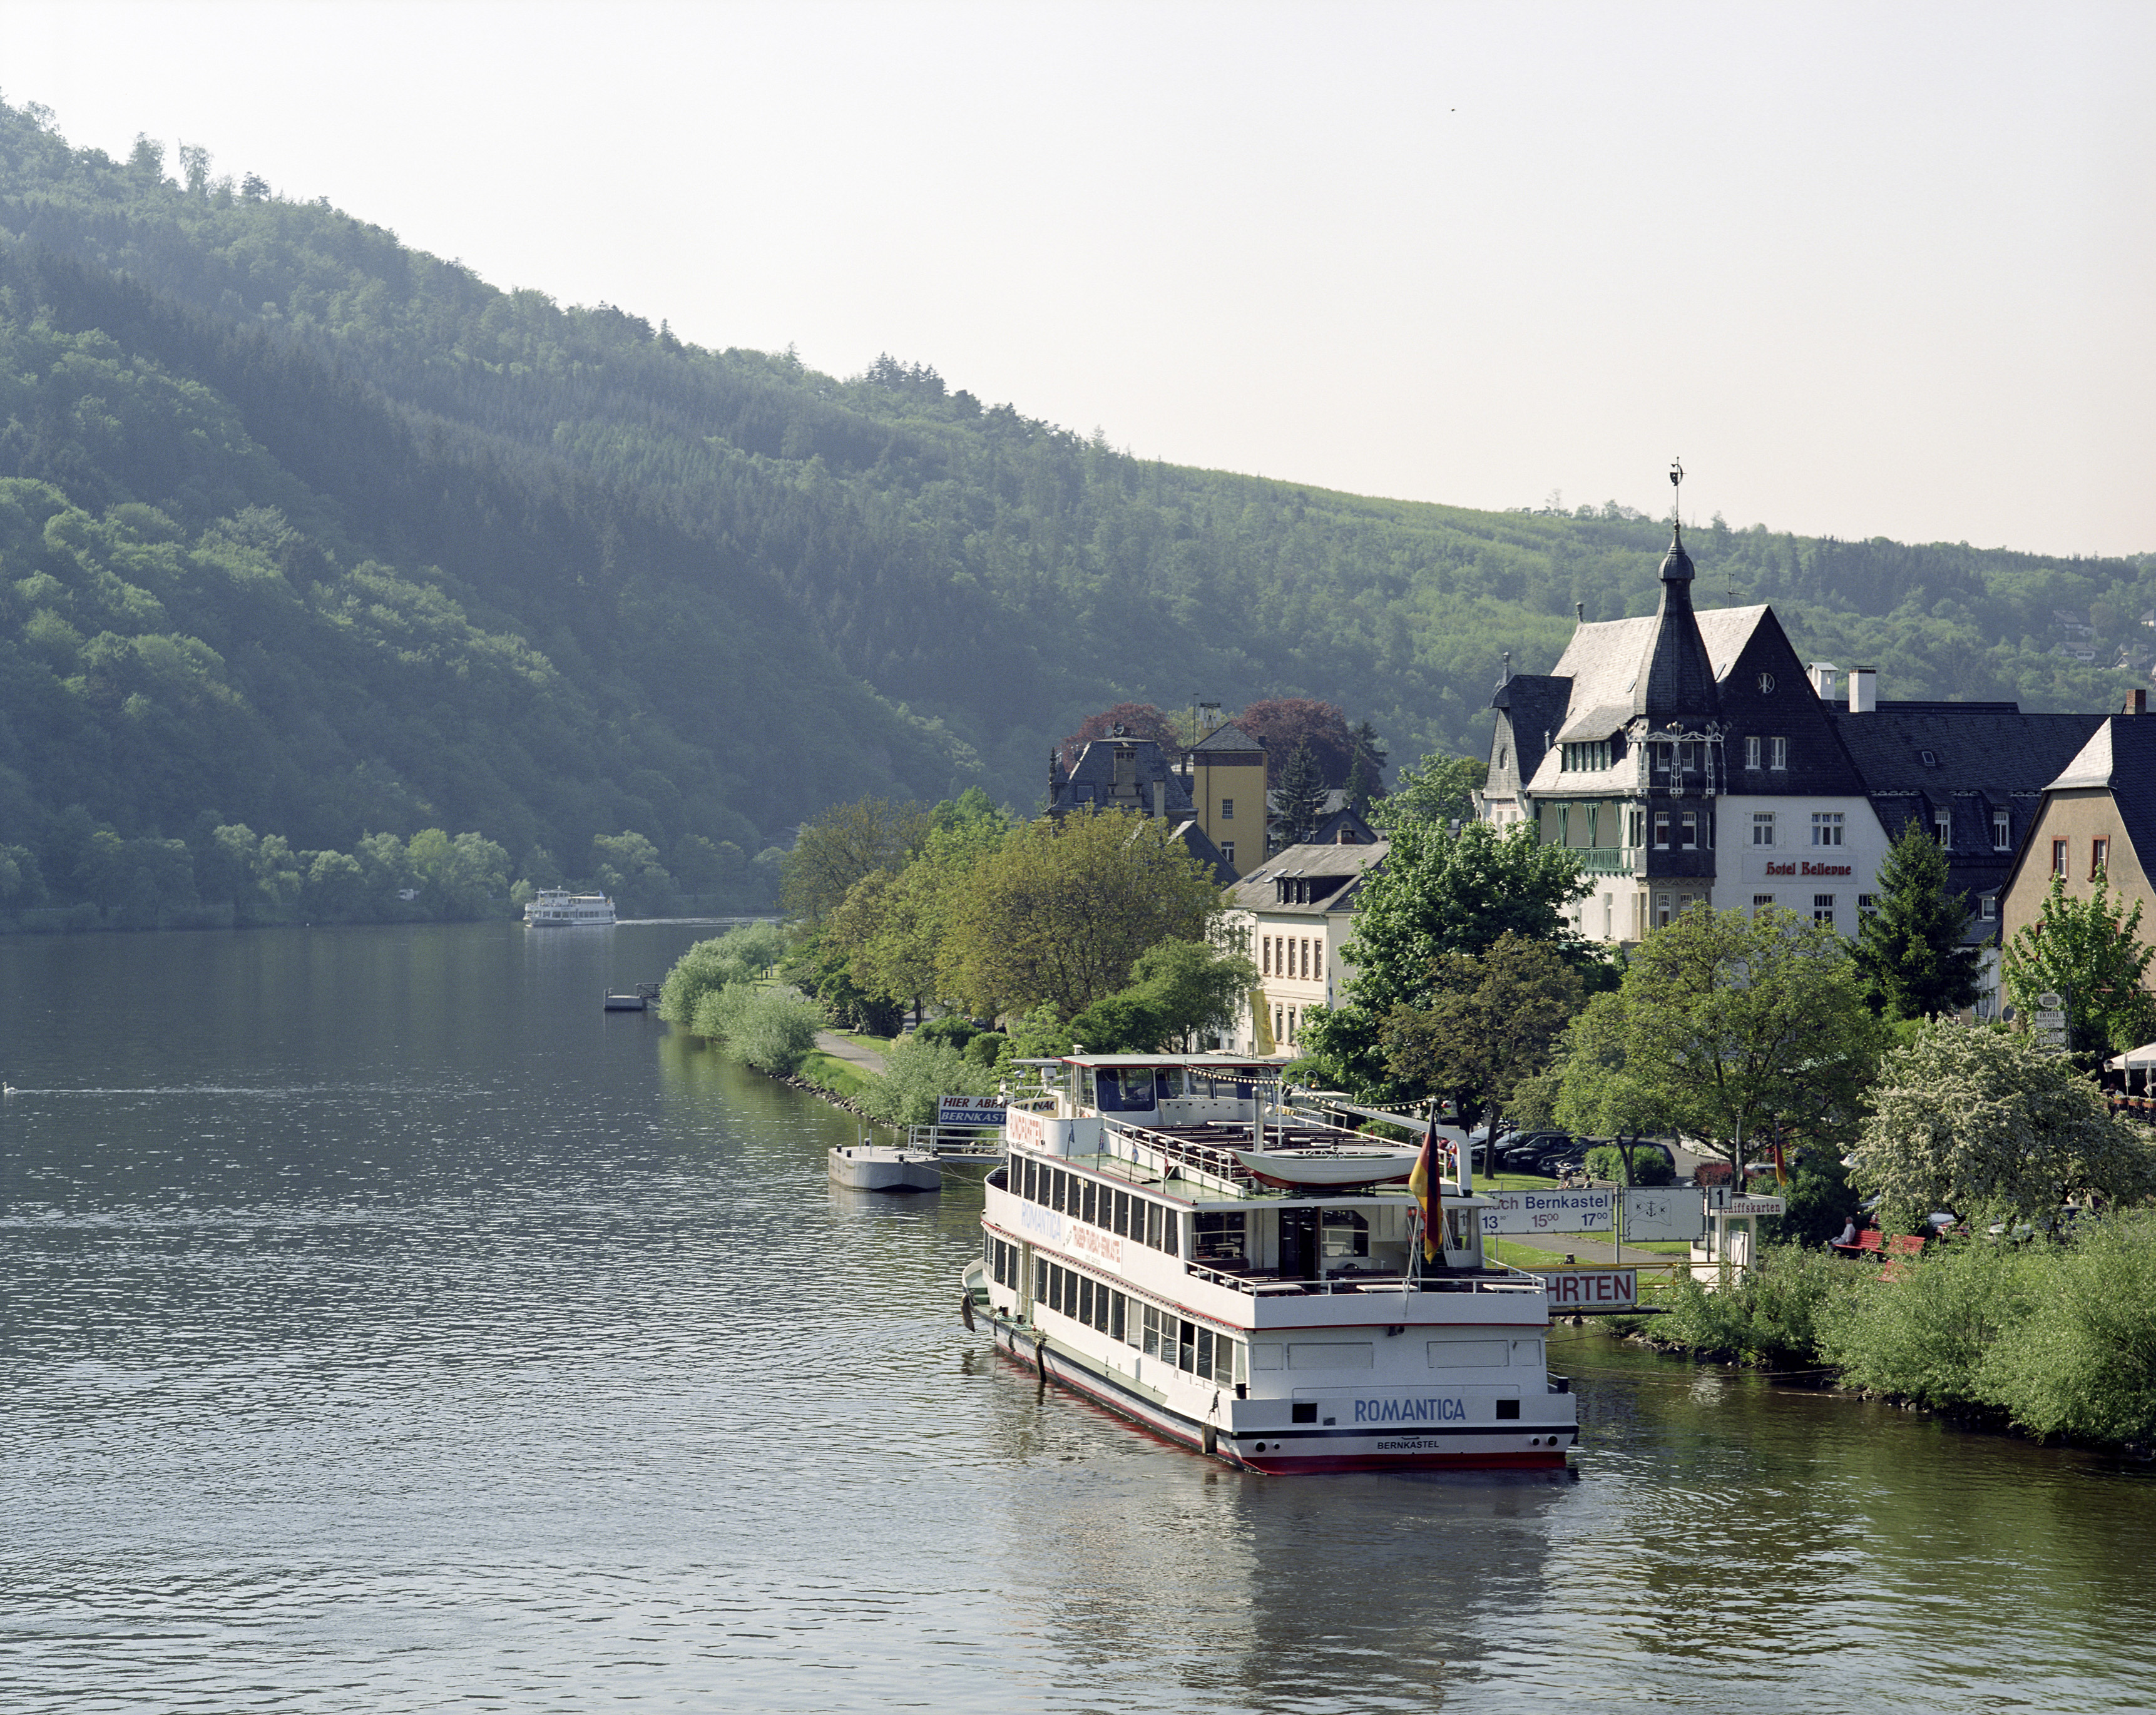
x=1172 y=1427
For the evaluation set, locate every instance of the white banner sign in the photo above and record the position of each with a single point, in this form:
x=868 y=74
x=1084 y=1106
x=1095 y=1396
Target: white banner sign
x=969 y=1110
x=1663 y=1214
x=1549 y=1211
x=1723 y=1202
x=1586 y=1291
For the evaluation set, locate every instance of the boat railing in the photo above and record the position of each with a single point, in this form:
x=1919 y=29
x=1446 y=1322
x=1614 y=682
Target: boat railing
x=1215 y=1160
x=1263 y=1285
x=956 y=1143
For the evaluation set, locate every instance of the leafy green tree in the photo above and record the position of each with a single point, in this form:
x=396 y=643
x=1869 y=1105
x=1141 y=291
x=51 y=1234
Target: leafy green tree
x=1492 y=1020
x=845 y=843
x=1177 y=989
x=1299 y=799
x=1440 y=789
x=1909 y=951
x=1061 y=909
x=1439 y=892
x=2090 y=953
x=1988 y=1119
x=627 y=867
x=1740 y=1031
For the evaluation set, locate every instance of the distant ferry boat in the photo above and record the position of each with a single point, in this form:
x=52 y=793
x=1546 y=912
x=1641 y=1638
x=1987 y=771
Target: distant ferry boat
x=557 y=908
x=1250 y=1283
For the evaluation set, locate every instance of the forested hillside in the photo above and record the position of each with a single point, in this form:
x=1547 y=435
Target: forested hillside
x=306 y=530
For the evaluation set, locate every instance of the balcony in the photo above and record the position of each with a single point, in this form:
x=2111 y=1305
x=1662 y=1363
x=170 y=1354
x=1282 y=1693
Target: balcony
x=1609 y=860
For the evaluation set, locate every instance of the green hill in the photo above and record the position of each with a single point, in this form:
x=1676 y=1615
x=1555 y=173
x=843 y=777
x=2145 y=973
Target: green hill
x=303 y=530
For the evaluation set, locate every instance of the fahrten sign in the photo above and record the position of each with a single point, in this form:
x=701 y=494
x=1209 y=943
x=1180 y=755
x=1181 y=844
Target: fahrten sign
x=1591 y=1292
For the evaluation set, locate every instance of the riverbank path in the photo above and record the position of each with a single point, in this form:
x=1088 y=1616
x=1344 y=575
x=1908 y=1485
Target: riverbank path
x=853 y=1053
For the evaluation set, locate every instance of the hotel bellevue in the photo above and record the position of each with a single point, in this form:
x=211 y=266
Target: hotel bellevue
x=1691 y=758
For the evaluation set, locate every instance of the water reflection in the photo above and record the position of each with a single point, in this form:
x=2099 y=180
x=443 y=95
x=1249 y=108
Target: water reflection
x=382 y=1325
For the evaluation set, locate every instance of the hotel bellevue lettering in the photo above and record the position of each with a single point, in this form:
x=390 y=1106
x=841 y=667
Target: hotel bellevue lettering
x=1807 y=869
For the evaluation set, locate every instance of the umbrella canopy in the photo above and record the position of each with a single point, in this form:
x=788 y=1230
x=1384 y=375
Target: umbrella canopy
x=2140 y=1059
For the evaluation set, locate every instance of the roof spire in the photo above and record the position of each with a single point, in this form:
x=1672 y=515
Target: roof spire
x=1676 y=563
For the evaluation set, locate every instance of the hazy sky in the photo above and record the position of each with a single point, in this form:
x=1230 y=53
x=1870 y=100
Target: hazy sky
x=1870 y=270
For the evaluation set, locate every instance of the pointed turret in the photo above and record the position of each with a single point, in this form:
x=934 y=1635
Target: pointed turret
x=1676 y=680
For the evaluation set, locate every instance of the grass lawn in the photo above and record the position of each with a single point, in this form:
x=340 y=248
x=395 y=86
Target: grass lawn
x=829 y=1072
x=882 y=1045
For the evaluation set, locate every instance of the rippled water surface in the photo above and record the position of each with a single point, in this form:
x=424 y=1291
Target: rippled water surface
x=383 y=1327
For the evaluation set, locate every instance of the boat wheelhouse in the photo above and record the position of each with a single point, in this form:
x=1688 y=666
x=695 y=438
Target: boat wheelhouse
x=1167 y=1237
x=557 y=908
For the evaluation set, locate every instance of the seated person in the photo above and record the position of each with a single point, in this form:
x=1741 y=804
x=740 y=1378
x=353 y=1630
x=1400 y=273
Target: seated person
x=1848 y=1239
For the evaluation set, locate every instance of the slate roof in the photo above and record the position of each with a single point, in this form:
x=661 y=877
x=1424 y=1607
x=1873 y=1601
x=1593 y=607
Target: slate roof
x=2120 y=758
x=1092 y=778
x=1533 y=706
x=1985 y=757
x=1256 y=891
x=1229 y=740
x=1676 y=681
x=1196 y=841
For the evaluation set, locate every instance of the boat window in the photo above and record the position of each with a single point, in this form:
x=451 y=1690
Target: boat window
x=1470 y=1355
x=1039 y=1282
x=1345 y=1233
x=1220 y=1236
x=1061 y=1185
x=1265 y=1355
x=1152 y=1321
x=1101 y=1297
x=1186 y=1345
x=1122 y=1216
x=1154 y=1213
x=1085 y=1298
x=1205 y=1352
x=1330 y=1354
x=1092 y=1204
x=1118 y=1305
x=1028 y=1189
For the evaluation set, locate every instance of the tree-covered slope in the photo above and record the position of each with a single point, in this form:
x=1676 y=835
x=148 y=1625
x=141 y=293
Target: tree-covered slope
x=320 y=532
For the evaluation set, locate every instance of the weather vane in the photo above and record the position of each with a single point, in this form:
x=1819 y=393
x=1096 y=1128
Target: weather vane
x=1677 y=485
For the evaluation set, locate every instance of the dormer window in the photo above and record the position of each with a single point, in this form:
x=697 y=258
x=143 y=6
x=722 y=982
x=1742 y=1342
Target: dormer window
x=2002 y=831
x=1930 y=759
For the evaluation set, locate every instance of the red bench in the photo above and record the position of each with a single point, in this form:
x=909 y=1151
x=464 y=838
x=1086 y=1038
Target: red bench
x=1872 y=1242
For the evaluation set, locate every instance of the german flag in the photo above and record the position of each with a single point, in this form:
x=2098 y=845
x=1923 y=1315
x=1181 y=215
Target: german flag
x=1429 y=1189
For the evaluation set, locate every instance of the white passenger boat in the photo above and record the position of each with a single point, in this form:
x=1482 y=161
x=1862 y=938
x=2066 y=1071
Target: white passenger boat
x=1132 y=1253
x=557 y=908
x=871 y=1167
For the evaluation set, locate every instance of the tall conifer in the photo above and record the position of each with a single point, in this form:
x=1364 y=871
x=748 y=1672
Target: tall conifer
x=1910 y=952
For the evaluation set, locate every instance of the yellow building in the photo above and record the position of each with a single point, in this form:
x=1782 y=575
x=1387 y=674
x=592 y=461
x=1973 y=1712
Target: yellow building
x=1226 y=775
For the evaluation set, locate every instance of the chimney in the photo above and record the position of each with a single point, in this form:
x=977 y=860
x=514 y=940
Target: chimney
x=2137 y=702
x=1863 y=690
x=1822 y=674
x=1160 y=799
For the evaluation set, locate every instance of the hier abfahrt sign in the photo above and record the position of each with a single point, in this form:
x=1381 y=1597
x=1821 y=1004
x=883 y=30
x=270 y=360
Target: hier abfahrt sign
x=1590 y=1292
x=970 y=1110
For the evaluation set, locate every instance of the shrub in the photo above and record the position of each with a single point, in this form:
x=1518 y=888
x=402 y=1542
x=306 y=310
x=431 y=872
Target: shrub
x=1920 y=1333
x=1713 y=1173
x=739 y=956
x=2082 y=1361
x=987 y=1048
x=1775 y=1314
x=954 y=1028
x=773 y=1029
x=1650 y=1165
x=915 y=1075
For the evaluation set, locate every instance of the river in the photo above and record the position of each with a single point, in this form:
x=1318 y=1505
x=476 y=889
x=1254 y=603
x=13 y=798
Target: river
x=385 y=1328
